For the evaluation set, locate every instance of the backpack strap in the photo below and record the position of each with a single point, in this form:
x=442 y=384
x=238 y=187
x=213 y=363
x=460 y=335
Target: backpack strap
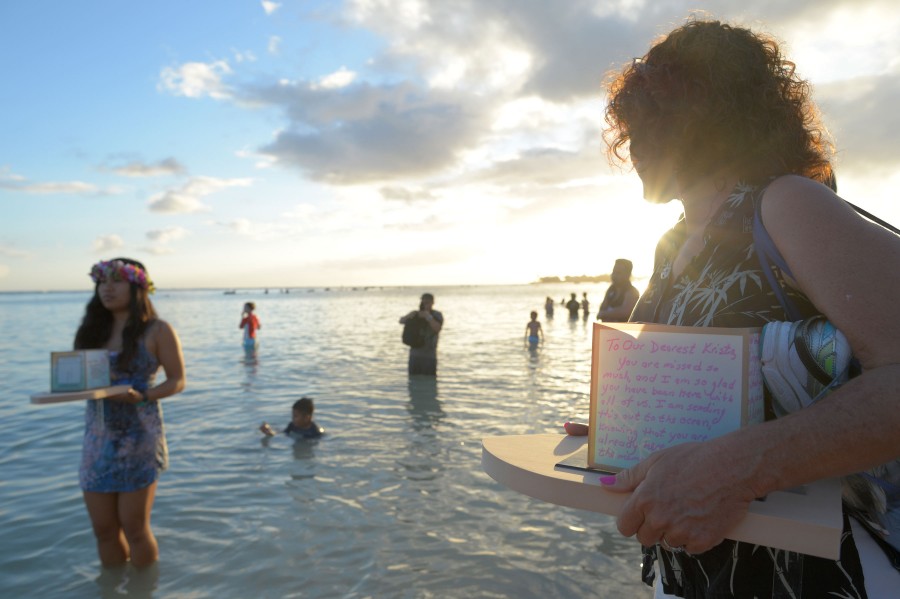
x=769 y=256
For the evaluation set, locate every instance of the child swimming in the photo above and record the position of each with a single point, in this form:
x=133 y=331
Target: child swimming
x=301 y=425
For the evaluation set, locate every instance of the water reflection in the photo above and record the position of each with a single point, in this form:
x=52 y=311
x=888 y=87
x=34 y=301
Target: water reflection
x=424 y=406
x=421 y=461
x=533 y=354
x=305 y=449
x=128 y=581
x=250 y=361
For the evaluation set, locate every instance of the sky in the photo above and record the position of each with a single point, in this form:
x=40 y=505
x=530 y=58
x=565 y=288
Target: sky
x=239 y=143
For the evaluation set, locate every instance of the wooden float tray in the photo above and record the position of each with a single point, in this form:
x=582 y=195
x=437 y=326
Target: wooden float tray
x=807 y=520
x=100 y=393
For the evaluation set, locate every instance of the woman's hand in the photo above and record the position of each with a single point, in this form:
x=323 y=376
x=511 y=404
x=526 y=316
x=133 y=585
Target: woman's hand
x=576 y=429
x=265 y=429
x=132 y=396
x=691 y=494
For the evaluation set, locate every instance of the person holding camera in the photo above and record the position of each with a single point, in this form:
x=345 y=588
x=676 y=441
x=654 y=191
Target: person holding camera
x=421 y=329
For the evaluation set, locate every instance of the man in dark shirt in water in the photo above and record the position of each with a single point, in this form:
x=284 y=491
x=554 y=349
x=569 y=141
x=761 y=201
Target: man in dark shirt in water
x=572 y=306
x=423 y=359
x=621 y=296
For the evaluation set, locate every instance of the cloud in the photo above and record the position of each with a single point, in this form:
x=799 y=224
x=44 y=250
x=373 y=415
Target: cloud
x=13 y=182
x=851 y=108
x=405 y=194
x=410 y=260
x=364 y=133
x=158 y=250
x=4 y=271
x=196 y=80
x=270 y=7
x=164 y=167
x=274 y=46
x=340 y=78
x=164 y=236
x=107 y=243
x=481 y=91
x=12 y=252
x=187 y=198
x=430 y=223
x=544 y=167
x=244 y=56
x=241 y=226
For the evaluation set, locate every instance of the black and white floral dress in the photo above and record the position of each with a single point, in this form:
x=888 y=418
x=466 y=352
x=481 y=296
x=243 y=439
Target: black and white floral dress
x=724 y=286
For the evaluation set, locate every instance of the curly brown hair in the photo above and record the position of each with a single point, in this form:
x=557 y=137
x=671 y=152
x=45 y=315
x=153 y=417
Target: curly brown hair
x=710 y=97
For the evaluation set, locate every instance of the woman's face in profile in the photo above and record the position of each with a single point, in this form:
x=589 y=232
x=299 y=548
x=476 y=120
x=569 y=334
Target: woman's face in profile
x=657 y=172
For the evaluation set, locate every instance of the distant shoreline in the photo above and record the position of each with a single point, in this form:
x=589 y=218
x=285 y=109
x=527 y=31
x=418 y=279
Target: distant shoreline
x=276 y=290
x=576 y=279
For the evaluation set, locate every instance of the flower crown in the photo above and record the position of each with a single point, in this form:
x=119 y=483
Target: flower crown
x=116 y=270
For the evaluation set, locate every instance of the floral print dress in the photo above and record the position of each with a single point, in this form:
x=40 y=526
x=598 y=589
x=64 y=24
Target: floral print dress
x=124 y=444
x=724 y=286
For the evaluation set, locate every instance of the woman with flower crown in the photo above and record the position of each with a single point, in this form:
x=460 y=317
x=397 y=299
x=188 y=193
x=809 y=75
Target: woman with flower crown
x=124 y=439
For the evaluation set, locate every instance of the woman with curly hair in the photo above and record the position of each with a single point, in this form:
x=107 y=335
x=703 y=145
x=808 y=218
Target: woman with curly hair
x=124 y=438
x=715 y=117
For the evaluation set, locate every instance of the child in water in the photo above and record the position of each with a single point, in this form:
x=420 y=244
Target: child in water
x=301 y=425
x=250 y=324
x=533 y=330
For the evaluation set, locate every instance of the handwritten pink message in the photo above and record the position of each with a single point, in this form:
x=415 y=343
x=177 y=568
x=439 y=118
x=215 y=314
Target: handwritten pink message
x=657 y=386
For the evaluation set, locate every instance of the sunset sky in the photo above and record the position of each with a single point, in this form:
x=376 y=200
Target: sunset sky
x=371 y=142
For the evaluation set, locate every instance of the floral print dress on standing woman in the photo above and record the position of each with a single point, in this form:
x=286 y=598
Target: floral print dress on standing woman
x=124 y=444
x=724 y=286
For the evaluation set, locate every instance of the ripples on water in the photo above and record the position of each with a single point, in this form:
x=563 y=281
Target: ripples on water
x=391 y=503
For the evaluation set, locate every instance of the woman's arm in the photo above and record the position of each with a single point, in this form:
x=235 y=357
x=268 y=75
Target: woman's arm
x=695 y=492
x=166 y=346
x=848 y=266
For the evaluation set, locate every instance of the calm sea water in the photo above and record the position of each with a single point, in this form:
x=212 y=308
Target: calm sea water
x=391 y=503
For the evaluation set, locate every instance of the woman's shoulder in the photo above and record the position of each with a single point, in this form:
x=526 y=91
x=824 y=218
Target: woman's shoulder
x=792 y=193
x=793 y=205
x=157 y=330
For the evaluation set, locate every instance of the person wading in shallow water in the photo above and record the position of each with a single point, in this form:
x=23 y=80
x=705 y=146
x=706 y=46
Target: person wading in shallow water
x=423 y=358
x=621 y=296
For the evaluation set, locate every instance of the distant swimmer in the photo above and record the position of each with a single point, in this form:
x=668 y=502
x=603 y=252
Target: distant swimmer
x=585 y=305
x=548 y=307
x=533 y=330
x=301 y=426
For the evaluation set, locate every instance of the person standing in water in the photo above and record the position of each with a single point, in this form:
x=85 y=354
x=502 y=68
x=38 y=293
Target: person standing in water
x=423 y=359
x=124 y=448
x=250 y=324
x=621 y=296
x=533 y=331
x=573 y=306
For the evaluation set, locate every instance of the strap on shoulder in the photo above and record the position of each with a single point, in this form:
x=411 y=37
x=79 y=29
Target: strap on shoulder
x=769 y=256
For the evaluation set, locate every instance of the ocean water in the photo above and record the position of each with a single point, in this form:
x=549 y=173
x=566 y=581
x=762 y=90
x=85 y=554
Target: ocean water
x=392 y=502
